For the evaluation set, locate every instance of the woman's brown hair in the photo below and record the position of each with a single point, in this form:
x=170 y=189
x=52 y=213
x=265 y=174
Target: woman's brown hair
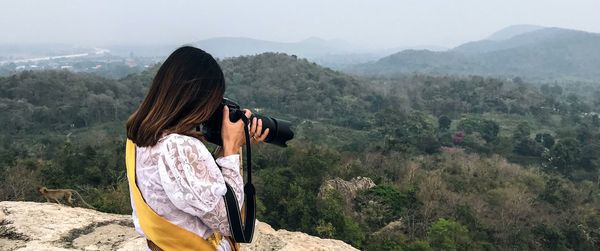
x=186 y=90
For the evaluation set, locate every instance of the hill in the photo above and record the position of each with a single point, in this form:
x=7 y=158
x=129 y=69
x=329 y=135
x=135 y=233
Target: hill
x=333 y=53
x=528 y=52
x=308 y=90
x=512 y=31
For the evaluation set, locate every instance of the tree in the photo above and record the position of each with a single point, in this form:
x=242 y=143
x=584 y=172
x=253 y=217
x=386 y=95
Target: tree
x=590 y=157
x=522 y=132
x=458 y=137
x=418 y=131
x=528 y=147
x=564 y=157
x=550 y=237
x=488 y=129
x=448 y=235
x=546 y=139
x=469 y=125
x=384 y=203
x=334 y=222
x=444 y=123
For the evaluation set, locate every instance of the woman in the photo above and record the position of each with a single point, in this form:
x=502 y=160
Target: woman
x=176 y=185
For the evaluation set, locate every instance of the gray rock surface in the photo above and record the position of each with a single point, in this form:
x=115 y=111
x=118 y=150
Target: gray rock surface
x=48 y=226
x=348 y=189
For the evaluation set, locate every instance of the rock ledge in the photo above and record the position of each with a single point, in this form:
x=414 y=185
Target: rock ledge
x=47 y=226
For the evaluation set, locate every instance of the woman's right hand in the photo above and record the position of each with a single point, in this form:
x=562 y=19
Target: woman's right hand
x=232 y=134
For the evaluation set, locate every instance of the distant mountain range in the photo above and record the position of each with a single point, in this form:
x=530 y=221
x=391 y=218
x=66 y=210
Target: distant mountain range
x=333 y=53
x=527 y=51
x=532 y=52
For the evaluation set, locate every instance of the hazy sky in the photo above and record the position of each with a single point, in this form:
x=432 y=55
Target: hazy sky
x=368 y=23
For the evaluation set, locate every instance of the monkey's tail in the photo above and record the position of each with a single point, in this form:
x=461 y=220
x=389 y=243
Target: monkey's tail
x=82 y=200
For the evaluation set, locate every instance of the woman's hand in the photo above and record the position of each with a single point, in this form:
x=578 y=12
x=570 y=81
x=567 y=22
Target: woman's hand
x=232 y=134
x=256 y=133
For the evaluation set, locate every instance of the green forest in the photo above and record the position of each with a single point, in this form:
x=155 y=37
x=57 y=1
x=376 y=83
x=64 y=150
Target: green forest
x=459 y=163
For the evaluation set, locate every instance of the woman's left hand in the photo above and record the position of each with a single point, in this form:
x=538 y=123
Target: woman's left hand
x=256 y=133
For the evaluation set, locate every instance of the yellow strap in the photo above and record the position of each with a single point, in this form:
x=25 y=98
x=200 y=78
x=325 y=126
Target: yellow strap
x=163 y=233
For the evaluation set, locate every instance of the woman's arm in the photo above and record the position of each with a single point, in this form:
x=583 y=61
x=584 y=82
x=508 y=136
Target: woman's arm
x=194 y=183
x=230 y=169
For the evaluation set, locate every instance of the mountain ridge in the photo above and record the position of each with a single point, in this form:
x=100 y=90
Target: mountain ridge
x=513 y=30
x=546 y=53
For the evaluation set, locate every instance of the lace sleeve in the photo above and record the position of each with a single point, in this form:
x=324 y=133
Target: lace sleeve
x=194 y=183
x=231 y=172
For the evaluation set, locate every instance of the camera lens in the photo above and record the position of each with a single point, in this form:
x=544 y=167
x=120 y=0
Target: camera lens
x=279 y=130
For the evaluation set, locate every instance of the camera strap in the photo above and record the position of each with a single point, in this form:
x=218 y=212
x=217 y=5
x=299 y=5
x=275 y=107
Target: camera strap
x=242 y=231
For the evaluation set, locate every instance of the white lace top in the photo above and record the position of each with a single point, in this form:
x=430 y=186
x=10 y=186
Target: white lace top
x=181 y=182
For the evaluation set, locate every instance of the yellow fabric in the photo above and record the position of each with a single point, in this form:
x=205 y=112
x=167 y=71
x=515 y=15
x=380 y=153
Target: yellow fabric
x=163 y=233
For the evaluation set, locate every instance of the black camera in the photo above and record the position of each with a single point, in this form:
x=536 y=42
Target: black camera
x=279 y=130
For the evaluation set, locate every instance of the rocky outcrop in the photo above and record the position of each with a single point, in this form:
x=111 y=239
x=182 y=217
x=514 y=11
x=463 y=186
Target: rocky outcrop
x=348 y=189
x=268 y=239
x=47 y=226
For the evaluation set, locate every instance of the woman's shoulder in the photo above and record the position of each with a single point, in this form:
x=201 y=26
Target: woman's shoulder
x=176 y=139
x=175 y=144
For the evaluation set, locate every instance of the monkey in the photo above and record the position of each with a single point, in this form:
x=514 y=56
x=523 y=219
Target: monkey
x=63 y=194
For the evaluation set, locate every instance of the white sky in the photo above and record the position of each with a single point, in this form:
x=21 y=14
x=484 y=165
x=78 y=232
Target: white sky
x=368 y=23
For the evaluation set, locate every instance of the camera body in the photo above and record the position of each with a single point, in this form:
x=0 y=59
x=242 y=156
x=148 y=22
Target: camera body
x=279 y=130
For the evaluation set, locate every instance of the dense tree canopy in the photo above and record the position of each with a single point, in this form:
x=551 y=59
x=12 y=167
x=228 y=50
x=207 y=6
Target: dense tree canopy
x=459 y=162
